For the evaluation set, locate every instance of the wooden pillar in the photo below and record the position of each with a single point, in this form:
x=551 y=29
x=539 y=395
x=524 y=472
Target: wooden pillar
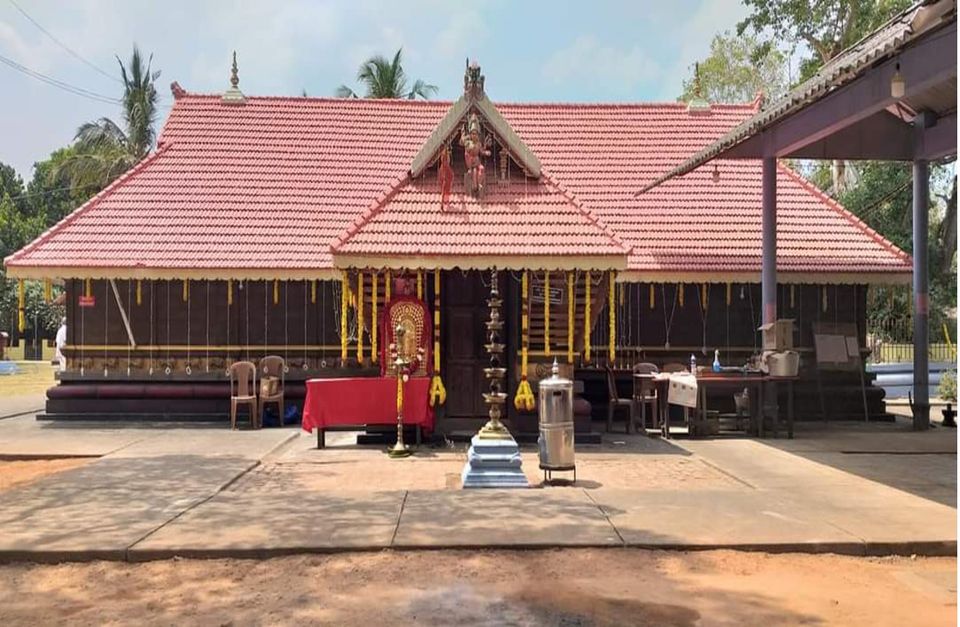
x=921 y=296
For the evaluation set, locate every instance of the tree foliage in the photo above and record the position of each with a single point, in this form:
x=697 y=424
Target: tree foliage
x=823 y=27
x=382 y=78
x=104 y=151
x=734 y=71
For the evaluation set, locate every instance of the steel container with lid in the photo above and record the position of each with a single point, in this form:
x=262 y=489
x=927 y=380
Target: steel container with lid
x=556 y=423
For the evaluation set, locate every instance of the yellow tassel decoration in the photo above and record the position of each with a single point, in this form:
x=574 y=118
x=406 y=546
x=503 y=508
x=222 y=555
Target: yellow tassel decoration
x=87 y=288
x=613 y=317
x=524 y=400
x=386 y=288
x=375 y=320
x=586 y=320
x=729 y=293
x=276 y=291
x=704 y=297
x=419 y=285
x=186 y=289
x=21 y=305
x=438 y=393
x=229 y=292
x=546 y=313
x=571 y=313
x=680 y=292
x=139 y=292
x=653 y=297
x=344 y=296
x=360 y=316
x=313 y=291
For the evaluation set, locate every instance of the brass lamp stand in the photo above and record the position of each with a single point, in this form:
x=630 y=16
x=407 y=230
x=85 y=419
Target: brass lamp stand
x=402 y=364
x=495 y=373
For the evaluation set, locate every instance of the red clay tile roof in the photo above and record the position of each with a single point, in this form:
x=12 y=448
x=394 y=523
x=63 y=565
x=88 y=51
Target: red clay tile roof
x=267 y=188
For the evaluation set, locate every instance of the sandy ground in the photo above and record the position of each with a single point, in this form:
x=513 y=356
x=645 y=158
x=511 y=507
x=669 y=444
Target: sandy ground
x=34 y=377
x=18 y=472
x=559 y=587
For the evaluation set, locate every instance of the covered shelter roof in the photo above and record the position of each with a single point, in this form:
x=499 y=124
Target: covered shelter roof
x=299 y=188
x=847 y=110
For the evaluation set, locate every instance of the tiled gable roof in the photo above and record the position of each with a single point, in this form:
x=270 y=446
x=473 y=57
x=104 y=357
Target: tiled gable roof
x=267 y=188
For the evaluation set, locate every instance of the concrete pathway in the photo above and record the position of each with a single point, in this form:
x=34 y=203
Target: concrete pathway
x=160 y=492
x=21 y=405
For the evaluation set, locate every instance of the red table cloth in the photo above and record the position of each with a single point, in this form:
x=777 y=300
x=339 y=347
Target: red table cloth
x=365 y=401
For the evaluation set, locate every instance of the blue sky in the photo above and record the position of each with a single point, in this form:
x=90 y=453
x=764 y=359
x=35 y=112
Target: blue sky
x=529 y=51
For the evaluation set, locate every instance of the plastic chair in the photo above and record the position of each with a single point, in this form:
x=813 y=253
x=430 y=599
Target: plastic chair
x=617 y=403
x=243 y=391
x=272 y=366
x=645 y=393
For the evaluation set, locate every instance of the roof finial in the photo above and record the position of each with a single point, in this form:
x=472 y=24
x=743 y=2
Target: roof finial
x=473 y=80
x=233 y=95
x=235 y=79
x=697 y=104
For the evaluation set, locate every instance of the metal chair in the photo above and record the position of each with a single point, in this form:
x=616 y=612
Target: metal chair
x=645 y=393
x=243 y=391
x=272 y=366
x=617 y=403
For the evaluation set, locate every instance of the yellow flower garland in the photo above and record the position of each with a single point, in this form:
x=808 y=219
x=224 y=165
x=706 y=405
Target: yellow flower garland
x=571 y=313
x=613 y=317
x=139 y=292
x=438 y=393
x=360 y=317
x=524 y=400
x=653 y=297
x=21 y=304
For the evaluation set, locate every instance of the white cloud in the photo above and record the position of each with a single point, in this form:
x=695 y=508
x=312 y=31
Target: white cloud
x=587 y=61
x=465 y=32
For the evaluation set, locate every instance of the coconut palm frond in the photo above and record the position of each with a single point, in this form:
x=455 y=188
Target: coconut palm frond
x=345 y=92
x=422 y=89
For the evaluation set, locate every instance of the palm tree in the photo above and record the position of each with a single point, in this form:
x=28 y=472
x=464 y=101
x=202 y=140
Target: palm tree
x=104 y=151
x=386 y=79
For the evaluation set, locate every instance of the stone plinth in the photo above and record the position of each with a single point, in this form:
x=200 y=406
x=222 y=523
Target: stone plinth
x=494 y=463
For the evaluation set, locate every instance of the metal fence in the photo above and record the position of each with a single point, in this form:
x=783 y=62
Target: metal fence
x=892 y=343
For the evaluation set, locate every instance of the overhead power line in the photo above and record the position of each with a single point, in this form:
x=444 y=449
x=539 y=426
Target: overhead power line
x=73 y=89
x=69 y=50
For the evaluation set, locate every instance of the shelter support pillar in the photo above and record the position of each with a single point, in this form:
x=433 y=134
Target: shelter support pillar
x=921 y=282
x=768 y=275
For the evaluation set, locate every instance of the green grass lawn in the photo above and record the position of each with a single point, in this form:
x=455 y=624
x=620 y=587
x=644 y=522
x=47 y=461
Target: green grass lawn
x=33 y=377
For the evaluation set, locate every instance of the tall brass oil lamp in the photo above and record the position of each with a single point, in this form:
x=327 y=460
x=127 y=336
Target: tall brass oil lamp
x=401 y=364
x=495 y=398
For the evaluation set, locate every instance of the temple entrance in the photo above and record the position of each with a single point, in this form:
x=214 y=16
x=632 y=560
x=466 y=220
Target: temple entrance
x=463 y=316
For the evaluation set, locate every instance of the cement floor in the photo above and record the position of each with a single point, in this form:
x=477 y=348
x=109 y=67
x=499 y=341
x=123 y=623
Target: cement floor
x=159 y=491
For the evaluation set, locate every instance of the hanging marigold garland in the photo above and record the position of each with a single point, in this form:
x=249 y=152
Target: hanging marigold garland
x=139 y=292
x=313 y=291
x=387 y=287
x=524 y=400
x=229 y=292
x=21 y=305
x=87 y=288
x=613 y=316
x=419 y=285
x=374 y=319
x=680 y=291
x=360 y=317
x=546 y=313
x=438 y=393
x=571 y=312
x=729 y=293
x=276 y=291
x=344 y=297
x=653 y=297
x=586 y=320
x=186 y=290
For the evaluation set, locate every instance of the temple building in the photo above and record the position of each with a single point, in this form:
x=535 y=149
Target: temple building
x=286 y=225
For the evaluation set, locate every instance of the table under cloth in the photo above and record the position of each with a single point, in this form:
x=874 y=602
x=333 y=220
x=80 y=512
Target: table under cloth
x=360 y=401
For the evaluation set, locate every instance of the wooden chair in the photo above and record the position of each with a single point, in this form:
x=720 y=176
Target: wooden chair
x=272 y=366
x=645 y=393
x=243 y=391
x=617 y=403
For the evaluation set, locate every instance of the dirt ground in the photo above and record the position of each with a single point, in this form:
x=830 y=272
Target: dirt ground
x=14 y=473
x=558 y=587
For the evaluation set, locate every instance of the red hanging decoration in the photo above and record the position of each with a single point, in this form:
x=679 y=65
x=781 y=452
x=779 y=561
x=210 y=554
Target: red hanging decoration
x=446 y=177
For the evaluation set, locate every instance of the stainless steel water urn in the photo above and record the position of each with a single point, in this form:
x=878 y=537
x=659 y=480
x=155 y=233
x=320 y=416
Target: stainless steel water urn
x=556 y=423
